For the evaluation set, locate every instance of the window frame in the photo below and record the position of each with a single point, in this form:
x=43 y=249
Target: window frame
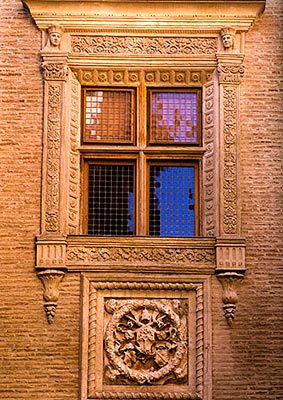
x=143 y=154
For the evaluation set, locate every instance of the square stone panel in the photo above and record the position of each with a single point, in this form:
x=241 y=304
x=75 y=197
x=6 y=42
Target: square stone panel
x=143 y=340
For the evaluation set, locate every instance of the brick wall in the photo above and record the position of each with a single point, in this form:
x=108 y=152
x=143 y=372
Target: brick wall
x=248 y=358
x=37 y=361
x=41 y=361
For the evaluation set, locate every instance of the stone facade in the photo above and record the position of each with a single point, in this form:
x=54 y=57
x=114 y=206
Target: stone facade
x=88 y=287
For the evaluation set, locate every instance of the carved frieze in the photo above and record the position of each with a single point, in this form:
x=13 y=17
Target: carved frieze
x=166 y=77
x=142 y=45
x=92 y=255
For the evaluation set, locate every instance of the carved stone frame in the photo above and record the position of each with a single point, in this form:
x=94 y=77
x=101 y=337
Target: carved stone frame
x=147 y=289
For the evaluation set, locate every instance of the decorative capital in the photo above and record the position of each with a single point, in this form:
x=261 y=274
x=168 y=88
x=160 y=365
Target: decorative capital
x=230 y=282
x=55 y=71
x=231 y=74
x=50 y=279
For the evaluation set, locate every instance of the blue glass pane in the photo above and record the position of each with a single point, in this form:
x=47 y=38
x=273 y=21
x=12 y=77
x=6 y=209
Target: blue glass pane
x=172 y=210
x=111 y=200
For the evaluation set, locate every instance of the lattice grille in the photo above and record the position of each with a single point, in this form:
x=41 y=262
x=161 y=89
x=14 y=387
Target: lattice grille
x=171 y=208
x=111 y=200
x=174 y=117
x=109 y=116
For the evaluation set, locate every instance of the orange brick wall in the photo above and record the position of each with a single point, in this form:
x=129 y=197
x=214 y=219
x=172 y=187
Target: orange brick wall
x=40 y=361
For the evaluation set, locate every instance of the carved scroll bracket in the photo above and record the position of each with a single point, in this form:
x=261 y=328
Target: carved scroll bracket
x=230 y=259
x=51 y=279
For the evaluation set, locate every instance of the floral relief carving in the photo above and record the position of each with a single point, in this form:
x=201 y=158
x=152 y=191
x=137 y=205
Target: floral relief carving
x=106 y=254
x=146 y=341
x=140 y=45
x=230 y=159
x=53 y=156
x=209 y=160
x=55 y=71
x=230 y=73
x=74 y=158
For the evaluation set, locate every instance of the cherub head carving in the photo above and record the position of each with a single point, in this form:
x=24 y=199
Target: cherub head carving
x=228 y=36
x=55 y=33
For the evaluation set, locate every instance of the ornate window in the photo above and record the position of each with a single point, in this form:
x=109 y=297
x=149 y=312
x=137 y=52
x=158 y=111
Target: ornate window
x=151 y=185
x=140 y=183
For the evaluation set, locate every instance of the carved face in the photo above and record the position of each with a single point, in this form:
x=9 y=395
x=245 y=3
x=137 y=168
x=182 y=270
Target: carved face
x=227 y=40
x=55 y=38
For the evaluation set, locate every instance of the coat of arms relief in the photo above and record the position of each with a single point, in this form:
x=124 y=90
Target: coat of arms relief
x=146 y=342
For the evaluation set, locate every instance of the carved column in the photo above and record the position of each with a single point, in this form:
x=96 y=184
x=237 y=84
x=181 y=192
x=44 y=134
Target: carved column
x=230 y=70
x=51 y=244
x=230 y=247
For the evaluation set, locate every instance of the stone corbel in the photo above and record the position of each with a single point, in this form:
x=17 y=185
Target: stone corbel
x=51 y=261
x=230 y=259
x=50 y=279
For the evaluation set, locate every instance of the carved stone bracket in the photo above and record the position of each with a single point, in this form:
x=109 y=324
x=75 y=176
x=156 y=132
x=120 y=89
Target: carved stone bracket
x=230 y=261
x=50 y=279
x=230 y=282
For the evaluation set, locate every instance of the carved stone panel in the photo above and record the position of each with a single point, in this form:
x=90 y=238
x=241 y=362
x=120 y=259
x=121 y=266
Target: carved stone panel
x=144 y=340
x=142 y=45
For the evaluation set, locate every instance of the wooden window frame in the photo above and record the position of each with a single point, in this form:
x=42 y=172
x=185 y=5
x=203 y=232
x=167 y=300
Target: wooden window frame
x=143 y=154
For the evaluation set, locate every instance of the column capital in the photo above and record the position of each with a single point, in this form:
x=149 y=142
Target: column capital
x=230 y=68
x=55 y=70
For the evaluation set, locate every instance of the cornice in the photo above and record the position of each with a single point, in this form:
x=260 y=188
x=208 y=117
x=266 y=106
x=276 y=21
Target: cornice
x=193 y=15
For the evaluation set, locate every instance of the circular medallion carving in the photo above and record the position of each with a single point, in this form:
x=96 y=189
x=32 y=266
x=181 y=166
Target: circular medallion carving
x=145 y=341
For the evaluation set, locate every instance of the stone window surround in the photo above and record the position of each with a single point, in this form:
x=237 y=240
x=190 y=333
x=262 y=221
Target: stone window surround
x=110 y=46
x=129 y=49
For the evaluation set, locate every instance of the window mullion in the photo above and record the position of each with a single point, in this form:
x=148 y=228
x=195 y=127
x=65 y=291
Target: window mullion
x=141 y=188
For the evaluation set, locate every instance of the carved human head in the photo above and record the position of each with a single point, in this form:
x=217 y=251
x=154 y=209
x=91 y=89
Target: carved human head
x=227 y=35
x=55 y=33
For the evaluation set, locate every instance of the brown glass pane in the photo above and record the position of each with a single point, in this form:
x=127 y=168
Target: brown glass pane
x=174 y=117
x=111 y=200
x=108 y=116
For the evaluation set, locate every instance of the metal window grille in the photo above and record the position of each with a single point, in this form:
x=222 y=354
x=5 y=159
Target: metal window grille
x=109 y=116
x=111 y=200
x=174 y=117
x=171 y=204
